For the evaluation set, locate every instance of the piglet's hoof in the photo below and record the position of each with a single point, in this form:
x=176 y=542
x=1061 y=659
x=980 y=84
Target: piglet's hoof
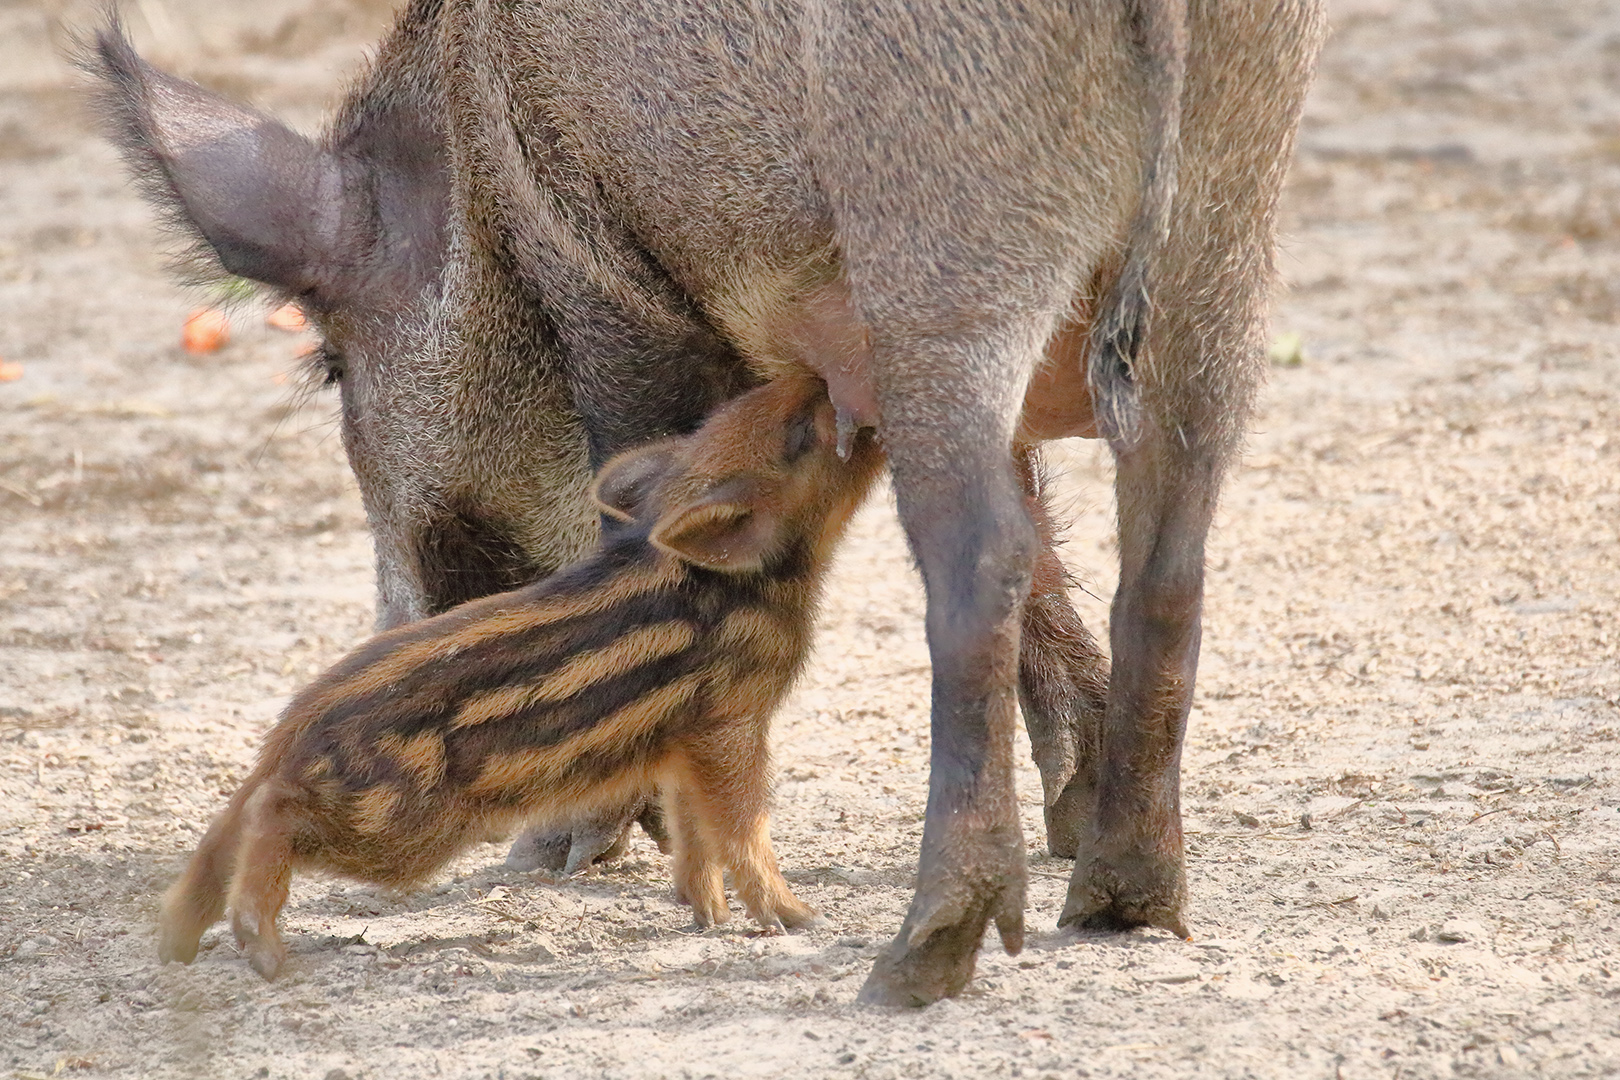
x=933 y=956
x=265 y=950
x=1126 y=890
x=177 y=942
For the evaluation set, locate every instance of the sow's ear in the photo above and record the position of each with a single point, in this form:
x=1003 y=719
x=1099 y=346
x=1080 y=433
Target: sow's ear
x=732 y=528
x=264 y=199
x=625 y=482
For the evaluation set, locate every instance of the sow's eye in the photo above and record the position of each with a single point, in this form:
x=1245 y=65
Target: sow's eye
x=326 y=365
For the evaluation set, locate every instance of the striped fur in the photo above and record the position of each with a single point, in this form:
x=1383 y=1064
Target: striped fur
x=656 y=662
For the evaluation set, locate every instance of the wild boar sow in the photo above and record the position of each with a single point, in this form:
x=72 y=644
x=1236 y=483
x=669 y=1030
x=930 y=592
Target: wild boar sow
x=538 y=233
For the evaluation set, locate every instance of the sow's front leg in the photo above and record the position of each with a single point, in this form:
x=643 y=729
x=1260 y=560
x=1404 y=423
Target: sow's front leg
x=965 y=517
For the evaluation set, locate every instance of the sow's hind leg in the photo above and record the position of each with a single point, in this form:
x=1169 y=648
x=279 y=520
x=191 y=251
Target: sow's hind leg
x=965 y=518
x=1247 y=74
x=964 y=238
x=1062 y=678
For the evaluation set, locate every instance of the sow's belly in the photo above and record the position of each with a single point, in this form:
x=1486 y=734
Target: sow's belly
x=1057 y=404
x=817 y=327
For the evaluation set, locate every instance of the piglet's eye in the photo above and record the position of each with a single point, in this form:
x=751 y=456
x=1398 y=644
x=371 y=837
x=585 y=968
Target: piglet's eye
x=801 y=437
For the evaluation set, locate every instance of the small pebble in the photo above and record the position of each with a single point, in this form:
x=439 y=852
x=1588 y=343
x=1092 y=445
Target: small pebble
x=206 y=330
x=287 y=317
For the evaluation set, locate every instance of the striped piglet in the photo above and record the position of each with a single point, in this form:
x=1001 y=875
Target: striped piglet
x=656 y=661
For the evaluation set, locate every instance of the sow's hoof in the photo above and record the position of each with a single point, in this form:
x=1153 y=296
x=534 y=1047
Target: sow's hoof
x=1122 y=891
x=1067 y=819
x=933 y=955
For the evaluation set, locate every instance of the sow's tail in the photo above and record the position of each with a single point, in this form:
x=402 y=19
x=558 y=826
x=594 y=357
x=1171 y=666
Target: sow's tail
x=1120 y=331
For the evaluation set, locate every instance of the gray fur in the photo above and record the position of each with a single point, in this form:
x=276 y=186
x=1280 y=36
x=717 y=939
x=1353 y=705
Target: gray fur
x=644 y=205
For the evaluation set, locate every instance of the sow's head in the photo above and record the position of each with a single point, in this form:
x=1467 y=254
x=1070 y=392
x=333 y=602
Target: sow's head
x=352 y=227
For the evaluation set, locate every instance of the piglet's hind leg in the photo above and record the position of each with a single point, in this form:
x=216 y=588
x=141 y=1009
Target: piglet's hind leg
x=197 y=900
x=259 y=889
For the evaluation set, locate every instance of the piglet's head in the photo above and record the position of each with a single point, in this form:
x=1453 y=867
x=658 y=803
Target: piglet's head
x=759 y=485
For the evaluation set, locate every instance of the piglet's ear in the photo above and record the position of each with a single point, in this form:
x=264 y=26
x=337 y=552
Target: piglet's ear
x=732 y=528
x=625 y=482
x=264 y=200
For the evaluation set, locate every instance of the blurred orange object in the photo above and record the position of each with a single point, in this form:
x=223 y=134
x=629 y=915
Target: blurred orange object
x=287 y=317
x=207 y=330
x=10 y=372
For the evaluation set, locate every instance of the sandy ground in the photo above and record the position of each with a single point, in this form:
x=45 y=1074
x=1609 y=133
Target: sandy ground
x=1401 y=780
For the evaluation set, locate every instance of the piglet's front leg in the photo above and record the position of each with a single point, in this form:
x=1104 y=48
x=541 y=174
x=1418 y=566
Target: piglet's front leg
x=598 y=838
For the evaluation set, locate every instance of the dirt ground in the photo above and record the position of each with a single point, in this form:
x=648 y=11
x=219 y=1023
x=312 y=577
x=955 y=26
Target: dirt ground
x=1402 y=782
